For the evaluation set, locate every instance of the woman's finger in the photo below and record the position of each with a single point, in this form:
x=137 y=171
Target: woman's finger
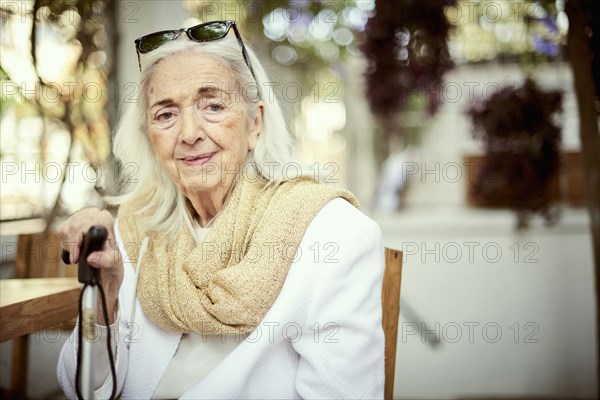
x=103 y=259
x=71 y=246
x=76 y=248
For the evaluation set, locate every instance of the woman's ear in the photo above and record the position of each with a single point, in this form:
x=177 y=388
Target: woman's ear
x=256 y=126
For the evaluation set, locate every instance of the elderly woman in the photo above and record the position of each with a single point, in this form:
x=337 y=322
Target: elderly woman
x=225 y=276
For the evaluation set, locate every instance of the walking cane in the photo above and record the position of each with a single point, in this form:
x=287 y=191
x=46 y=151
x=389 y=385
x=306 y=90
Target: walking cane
x=89 y=276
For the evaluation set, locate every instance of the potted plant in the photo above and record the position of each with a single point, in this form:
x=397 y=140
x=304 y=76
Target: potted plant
x=521 y=136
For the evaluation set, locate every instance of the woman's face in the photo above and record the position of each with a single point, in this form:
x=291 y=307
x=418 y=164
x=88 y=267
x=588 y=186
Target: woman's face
x=198 y=123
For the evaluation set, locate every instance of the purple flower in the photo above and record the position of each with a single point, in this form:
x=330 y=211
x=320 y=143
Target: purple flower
x=545 y=46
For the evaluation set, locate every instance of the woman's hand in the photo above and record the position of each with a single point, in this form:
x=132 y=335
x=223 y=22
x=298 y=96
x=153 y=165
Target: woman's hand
x=108 y=260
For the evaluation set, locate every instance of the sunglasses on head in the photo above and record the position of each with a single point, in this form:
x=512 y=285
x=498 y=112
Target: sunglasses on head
x=206 y=32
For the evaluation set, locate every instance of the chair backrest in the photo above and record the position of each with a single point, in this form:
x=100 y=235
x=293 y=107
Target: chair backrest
x=390 y=298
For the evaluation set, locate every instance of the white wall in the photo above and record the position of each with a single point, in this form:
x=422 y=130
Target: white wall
x=468 y=269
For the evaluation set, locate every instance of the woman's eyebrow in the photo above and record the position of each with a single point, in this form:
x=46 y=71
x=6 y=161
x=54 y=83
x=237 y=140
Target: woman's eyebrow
x=204 y=91
x=162 y=102
x=213 y=91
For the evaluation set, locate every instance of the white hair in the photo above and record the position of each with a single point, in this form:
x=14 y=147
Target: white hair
x=150 y=184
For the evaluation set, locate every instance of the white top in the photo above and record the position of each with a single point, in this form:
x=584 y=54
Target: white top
x=196 y=356
x=321 y=338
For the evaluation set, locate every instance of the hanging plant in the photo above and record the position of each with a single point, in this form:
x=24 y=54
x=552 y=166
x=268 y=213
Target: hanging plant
x=406 y=47
x=520 y=132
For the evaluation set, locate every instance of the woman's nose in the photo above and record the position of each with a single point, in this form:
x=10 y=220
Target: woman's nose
x=192 y=128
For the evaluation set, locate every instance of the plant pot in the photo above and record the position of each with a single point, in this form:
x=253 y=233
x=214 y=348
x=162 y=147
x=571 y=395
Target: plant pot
x=489 y=188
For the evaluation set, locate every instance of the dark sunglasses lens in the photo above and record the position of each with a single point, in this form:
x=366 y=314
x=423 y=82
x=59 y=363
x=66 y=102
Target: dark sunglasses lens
x=153 y=42
x=209 y=32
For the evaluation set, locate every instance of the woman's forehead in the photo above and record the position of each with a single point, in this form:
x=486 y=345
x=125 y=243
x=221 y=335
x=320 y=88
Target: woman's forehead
x=182 y=73
x=185 y=66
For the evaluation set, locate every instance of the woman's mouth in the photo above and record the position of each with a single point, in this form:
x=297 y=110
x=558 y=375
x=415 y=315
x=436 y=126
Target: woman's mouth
x=198 y=159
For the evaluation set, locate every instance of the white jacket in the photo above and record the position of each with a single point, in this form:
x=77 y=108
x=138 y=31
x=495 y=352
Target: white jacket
x=322 y=337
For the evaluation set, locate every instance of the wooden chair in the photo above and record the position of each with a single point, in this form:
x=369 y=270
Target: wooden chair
x=390 y=298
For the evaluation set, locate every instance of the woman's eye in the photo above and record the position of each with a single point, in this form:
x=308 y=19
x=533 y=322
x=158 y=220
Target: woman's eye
x=215 y=107
x=165 y=116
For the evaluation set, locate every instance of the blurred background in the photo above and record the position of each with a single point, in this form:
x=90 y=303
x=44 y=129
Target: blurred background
x=468 y=129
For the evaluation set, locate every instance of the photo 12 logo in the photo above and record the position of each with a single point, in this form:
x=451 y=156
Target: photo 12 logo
x=469 y=332
x=470 y=251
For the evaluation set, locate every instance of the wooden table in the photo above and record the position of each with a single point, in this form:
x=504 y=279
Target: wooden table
x=30 y=305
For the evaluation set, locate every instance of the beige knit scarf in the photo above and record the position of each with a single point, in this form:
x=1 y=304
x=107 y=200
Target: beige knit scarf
x=227 y=283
